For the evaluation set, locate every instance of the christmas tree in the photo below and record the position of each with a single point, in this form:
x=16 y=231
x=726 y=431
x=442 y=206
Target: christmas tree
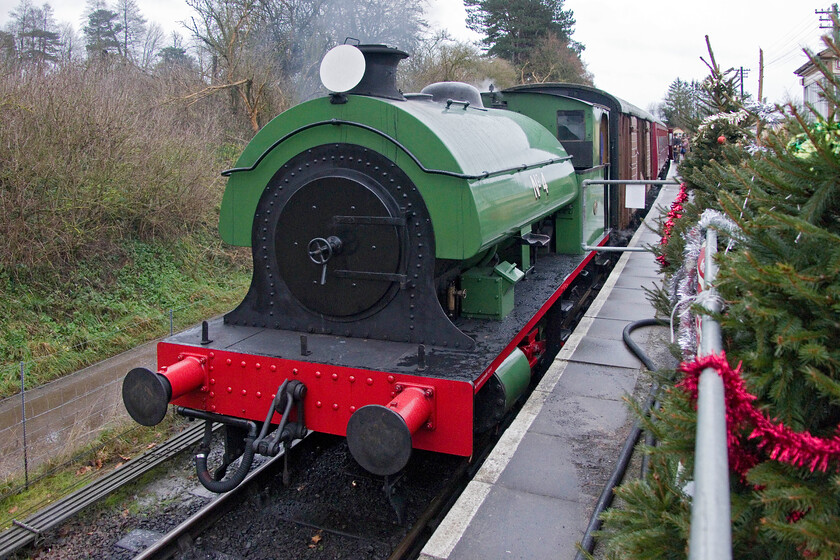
x=780 y=280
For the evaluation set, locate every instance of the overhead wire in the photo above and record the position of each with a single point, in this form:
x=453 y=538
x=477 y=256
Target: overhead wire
x=791 y=44
x=793 y=34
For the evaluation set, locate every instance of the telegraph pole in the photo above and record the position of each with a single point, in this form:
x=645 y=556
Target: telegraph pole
x=828 y=20
x=744 y=72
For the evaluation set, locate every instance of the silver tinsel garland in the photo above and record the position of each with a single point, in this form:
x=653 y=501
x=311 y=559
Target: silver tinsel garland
x=683 y=285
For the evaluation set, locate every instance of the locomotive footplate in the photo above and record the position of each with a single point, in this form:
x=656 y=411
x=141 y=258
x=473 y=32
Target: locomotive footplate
x=245 y=365
x=491 y=336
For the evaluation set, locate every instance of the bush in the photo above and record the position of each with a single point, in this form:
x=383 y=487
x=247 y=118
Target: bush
x=93 y=155
x=109 y=197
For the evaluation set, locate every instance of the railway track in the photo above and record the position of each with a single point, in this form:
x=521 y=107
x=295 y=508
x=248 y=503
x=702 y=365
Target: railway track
x=304 y=525
x=184 y=535
x=351 y=520
x=26 y=531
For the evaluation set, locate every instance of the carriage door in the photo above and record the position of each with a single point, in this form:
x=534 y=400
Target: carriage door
x=604 y=140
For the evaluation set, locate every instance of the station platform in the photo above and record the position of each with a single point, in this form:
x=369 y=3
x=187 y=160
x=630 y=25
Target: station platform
x=533 y=496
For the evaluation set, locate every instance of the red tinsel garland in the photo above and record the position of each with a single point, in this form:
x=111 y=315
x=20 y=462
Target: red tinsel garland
x=673 y=214
x=800 y=449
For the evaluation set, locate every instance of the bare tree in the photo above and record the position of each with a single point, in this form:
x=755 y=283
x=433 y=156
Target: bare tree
x=151 y=41
x=397 y=23
x=442 y=59
x=554 y=60
x=256 y=49
x=314 y=26
x=70 y=43
x=36 y=37
x=228 y=29
x=133 y=30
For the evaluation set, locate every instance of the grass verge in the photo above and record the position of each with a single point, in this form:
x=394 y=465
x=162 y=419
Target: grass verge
x=58 y=324
x=65 y=475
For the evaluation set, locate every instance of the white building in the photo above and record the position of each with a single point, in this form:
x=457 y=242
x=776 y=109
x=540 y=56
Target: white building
x=811 y=79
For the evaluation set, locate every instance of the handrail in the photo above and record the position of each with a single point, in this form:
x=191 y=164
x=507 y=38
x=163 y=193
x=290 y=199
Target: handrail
x=401 y=146
x=711 y=531
x=609 y=182
x=587 y=182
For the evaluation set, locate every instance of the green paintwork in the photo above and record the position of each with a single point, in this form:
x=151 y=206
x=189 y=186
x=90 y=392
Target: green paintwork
x=592 y=205
x=583 y=220
x=468 y=215
x=489 y=291
x=509 y=272
x=515 y=375
x=543 y=108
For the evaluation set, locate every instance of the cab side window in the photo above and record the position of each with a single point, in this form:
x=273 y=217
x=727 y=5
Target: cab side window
x=571 y=125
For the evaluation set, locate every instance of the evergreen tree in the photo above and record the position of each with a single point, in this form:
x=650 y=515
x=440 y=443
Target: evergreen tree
x=102 y=32
x=781 y=282
x=8 y=52
x=681 y=106
x=174 y=57
x=524 y=32
x=36 y=35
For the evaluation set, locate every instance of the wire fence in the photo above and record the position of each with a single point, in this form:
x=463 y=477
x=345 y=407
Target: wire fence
x=43 y=428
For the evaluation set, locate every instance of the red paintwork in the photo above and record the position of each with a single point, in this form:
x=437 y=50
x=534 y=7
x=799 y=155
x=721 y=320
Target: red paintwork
x=532 y=348
x=185 y=376
x=415 y=405
x=659 y=147
x=243 y=386
x=491 y=369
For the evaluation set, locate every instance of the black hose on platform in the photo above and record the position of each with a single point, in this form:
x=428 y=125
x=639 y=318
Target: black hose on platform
x=606 y=497
x=635 y=348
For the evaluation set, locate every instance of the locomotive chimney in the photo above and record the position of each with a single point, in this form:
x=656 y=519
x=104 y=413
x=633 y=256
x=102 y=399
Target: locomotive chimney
x=380 y=78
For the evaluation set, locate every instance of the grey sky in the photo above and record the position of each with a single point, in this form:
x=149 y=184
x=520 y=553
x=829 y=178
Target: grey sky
x=634 y=49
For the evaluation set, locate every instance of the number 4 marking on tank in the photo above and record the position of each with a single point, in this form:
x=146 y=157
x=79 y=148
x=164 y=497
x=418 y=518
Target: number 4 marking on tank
x=538 y=182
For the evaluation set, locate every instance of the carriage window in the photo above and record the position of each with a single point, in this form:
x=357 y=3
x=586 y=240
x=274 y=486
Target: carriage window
x=571 y=125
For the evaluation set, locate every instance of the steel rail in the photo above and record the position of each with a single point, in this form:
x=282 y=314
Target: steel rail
x=182 y=535
x=711 y=531
x=412 y=544
x=27 y=531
